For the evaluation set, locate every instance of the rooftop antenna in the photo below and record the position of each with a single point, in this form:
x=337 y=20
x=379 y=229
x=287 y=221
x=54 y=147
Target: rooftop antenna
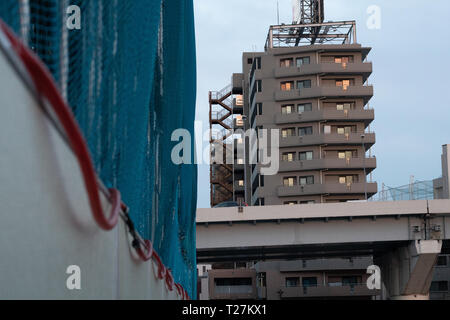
x=278 y=13
x=307 y=11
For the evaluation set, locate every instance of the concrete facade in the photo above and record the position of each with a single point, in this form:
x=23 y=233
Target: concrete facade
x=440 y=283
x=318 y=279
x=317 y=96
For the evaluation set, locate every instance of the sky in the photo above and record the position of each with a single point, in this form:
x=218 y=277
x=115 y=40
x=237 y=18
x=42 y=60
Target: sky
x=411 y=66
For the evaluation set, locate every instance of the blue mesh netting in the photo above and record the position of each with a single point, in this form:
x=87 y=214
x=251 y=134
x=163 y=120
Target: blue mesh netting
x=129 y=75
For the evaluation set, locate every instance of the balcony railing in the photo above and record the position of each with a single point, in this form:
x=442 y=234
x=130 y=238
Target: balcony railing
x=327 y=188
x=357 y=91
x=327 y=291
x=325 y=68
x=332 y=138
x=328 y=163
x=311 y=116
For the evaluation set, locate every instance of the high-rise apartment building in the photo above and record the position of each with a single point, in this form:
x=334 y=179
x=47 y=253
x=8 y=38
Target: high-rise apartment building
x=310 y=83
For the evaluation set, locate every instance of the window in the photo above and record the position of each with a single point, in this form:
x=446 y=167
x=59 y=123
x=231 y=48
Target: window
x=241 y=183
x=442 y=261
x=327 y=129
x=240 y=161
x=261 y=181
x=307 y=155
x=351 y=280
x=439 y=286
x=343 y=59
x=292 y=282
x=304 y=107
x=249 y=61
x=289 y=62
x=288 y=156
x=290 y=181
x=290 y=203
x=287 y=85
x=260 y=110
x=345 y=154
x=288 y=132
x=261 y=201
x=344 y=83
x=261 y=279
x=258 y=63
x=344 y=106
x=303 y=84
x=308 y=202
x=304 y=131
x=287 y=109
x=233 y=281
x=346 y=129
x=306 y=180
x=258 y=85
x=309 y=282
x=348 y=179
x=302 y=61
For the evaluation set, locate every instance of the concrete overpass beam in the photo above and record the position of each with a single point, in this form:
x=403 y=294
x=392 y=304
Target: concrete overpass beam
x=407 y=271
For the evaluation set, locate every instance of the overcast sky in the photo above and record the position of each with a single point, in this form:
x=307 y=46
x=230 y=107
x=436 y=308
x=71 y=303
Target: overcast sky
x=411 y=63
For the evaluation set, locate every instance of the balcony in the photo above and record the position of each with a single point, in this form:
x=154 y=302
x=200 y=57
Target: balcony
x=327 y=188
x=363 y=92
x=233 y=292
x=332 y=163
x=328 y=291
x=330 y=139
x=366 y=115
x=362 y=68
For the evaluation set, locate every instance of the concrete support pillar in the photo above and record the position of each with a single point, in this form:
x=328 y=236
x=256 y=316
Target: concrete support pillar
x=406 y=272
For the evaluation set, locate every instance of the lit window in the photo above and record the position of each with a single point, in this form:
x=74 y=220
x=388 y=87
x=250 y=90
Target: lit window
x=345 y=154
x=286 y=62
x=346 y=179
x=343 y=59
x=287 y=86
x=289 y=132
x=290 y=181
x=289 y=156
x=346 y=130
x=343 y=106
x=343 y=83
x=241 y=183
x=287 y=109
x=240 y=161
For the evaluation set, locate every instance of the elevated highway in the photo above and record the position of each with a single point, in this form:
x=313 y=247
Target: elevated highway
x=404 y=237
